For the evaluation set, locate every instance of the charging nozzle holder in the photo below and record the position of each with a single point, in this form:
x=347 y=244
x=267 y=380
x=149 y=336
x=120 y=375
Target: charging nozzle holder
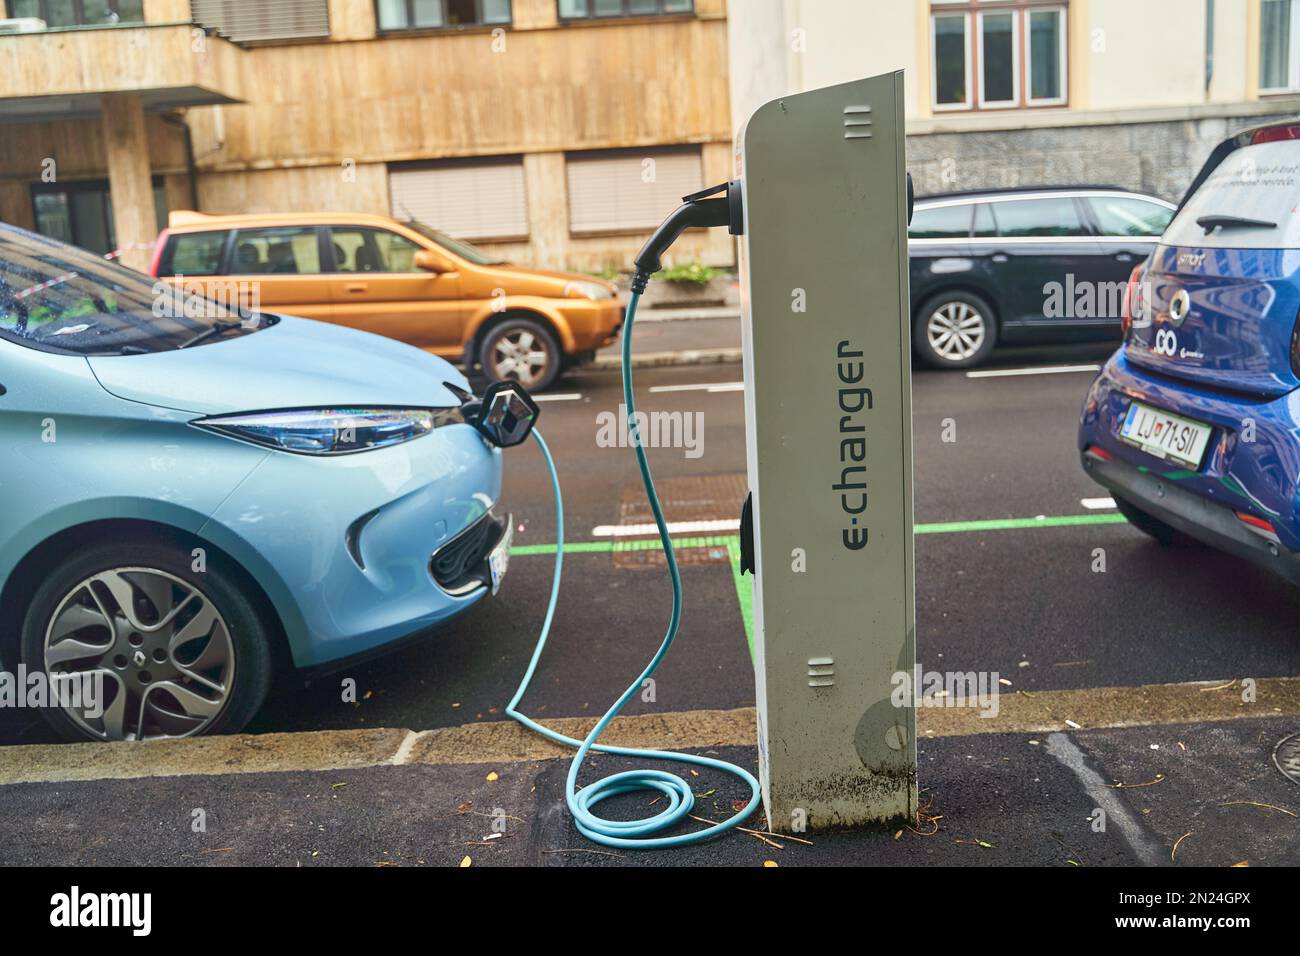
x=720 y=205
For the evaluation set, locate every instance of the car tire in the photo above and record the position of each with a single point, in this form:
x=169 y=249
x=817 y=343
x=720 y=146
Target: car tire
x=520 y=350
x=1148 y=524
x=954 y=330
x=200 y=666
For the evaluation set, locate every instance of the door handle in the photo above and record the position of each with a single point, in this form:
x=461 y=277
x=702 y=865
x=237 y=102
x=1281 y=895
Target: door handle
x=1000 y=257
x=1123 y=257
x=356 y=286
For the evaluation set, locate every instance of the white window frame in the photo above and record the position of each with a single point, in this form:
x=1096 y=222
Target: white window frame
x=1017 y=71
x=966 y=61
x=1292 y=54
x=1062 y=53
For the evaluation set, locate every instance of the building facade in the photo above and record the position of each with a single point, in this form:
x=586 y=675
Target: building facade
x=553 y=132
x=1030 y=92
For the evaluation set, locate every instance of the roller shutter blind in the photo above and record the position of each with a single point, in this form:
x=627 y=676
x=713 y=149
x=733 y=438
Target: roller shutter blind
x=480 y=200
x=623 y=192
x=248 y=20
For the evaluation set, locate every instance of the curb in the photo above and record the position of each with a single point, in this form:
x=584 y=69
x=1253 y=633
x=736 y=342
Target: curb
x=668 y=359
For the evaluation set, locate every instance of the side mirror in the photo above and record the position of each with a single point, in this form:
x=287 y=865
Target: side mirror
x=430 y=261
x=506 y=414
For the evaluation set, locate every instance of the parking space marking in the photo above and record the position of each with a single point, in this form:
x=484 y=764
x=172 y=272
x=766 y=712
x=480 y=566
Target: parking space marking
x=1041 y=370
x=1097 y=504
x=561 y=397
x=499 y=742
x=674 y=527
x=701 y=387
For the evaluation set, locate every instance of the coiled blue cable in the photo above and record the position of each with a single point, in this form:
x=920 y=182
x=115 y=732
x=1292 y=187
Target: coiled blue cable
x=636 y=834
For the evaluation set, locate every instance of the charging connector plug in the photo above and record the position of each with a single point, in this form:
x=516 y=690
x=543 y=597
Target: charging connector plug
x=702 y=209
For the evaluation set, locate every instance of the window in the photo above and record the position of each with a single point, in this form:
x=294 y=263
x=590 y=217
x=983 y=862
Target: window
x=483 y=199
x=440 y=14
x=245 y=21
x=1128 y=216
x=1037 y=217
x=277 y=251
x=1257 y=182
x=82 y=212
x=629 y=190
x=603 y=9
x=1279 y=46
x=997 y=54
x=79 y=13
x=194 y=254
x=371 y=250
x=941 y=222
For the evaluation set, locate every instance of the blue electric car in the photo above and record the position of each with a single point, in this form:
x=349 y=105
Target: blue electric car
x=1194 y=424
x=194 y=496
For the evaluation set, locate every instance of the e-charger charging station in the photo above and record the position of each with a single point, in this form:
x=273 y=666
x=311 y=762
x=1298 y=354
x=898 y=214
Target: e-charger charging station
x=823 y=209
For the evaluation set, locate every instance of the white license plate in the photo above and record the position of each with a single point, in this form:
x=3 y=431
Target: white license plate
x=499 y=559
x=1166 y=435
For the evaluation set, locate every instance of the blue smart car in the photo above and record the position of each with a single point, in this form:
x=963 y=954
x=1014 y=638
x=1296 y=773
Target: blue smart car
x=195 y=496
x=1194 y=424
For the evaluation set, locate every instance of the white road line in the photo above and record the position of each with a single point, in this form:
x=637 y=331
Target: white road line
x=1043 y=370
x=1117 y=813
x=564 y=397
x=1097 y=504
x=674 y=527
x=405 y=748
x=702 y=387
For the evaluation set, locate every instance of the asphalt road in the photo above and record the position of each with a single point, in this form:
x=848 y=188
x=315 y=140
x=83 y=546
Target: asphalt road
x=1024 y=603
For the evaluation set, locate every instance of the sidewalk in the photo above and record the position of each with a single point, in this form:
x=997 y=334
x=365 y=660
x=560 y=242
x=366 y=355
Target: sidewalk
x=1207 y=788
x=691 y=337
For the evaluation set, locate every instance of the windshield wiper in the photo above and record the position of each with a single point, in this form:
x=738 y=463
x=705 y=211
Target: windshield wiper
x=217 y=328
x=1210 y=223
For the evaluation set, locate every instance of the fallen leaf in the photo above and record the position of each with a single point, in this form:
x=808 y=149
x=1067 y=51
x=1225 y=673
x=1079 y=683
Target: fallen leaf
x=466 y=862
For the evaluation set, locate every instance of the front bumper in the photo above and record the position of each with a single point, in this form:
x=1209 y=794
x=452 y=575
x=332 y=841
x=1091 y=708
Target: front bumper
x=1251 y=467
x=593 y=323
x=344 y=546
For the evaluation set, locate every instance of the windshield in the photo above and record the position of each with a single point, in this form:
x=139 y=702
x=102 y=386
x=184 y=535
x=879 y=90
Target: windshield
x=1246 y=202
x=459 y=246
x=59 y=298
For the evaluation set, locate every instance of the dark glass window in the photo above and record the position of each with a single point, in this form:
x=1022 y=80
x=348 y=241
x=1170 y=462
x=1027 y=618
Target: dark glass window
x=1128 y=216
x=1037 y=217
x=438 y=14
x=941 y=222
x=371 y=250
x=288 y=250
x=984 y=224
x=79 y=13
x=82 y=212
x=194 y=254
x=603 y=9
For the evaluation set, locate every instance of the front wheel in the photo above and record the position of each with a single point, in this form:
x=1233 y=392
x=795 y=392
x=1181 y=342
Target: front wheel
x=954 y=330
x=520 y=350
x=143 y=646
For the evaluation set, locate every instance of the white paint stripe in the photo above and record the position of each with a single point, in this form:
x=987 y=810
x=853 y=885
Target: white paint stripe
x=565 y=397
x=1042 y=370
x=406 y=747
x=674 y=527
x=701 y=387
x=1117 y=813
x=1097 y=504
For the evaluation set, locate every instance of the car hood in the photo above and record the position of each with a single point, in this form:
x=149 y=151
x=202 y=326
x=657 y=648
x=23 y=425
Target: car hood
x=548 y=281
x=295 y=363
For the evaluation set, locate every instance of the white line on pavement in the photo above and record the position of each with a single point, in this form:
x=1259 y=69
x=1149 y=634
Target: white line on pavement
x=701 y=387
x=563 y=397
x=674 y=527
x=1097 y=504
x=1043 y=370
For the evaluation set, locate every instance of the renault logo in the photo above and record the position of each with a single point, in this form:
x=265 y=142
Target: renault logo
x=1179 y=306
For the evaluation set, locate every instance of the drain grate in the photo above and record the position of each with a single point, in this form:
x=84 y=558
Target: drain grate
x=1286 y=756
x=686 y=499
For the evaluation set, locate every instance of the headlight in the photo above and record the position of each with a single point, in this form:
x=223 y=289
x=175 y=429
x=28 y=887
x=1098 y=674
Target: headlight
x=332 y=431
x=587 y=290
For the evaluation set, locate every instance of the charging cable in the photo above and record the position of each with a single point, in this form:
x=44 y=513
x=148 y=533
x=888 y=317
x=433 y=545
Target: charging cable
x=637 y=834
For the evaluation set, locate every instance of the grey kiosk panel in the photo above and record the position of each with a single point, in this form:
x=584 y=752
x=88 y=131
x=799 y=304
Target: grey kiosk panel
x=829 y=445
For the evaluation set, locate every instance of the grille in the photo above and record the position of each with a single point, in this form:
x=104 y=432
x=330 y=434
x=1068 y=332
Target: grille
x=460 y=566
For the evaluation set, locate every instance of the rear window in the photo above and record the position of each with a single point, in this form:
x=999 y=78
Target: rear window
x=1037 y=217
x=940 y=222
x=1260 y=182
x=1129 y=216
x=193 y=254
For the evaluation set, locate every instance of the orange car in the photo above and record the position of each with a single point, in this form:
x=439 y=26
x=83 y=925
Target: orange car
x=399 y=279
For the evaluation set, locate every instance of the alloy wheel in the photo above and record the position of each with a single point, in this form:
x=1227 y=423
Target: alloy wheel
x=955 y=331
x=520 y=355
x=158 y=644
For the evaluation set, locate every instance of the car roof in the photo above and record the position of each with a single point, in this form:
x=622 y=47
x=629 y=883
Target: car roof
x=186 y=220
x=1028 y=192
